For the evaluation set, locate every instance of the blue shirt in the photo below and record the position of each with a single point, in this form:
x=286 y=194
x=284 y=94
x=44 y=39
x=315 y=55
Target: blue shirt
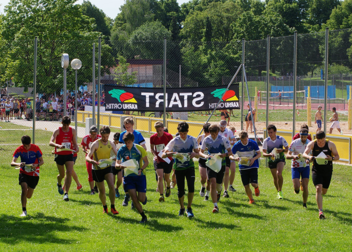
x=137 y=153
x=138 y=138
x=249 y=151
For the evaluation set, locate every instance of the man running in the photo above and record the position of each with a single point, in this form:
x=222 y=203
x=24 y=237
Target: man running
x=321 y=172
x=117 y=171
x=158 y=141
x=216 y=144
x=86 y=144
x=202 y=166
x=187 y=148
x=230 y=164
x=299 y=165
x=138 y=139
x=276 y=162
x=318 y=118
x=31 y=159
x=132 y=182
x=248 y=154
x=64 y=138
x=98 y=152
x=335 y=121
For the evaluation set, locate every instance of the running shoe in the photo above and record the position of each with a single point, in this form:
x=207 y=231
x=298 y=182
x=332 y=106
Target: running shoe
x=66 y=197
x=256 y=191
x=181 y=212
x=251 y=201
x=146 y=200
x=232 y=189
x=321 y=215
x=168 y=192
x=215 y=209
x=113 y=211
x=92 y=192
x=305 y=205
x=125 y=200
x=161 y=198
x=206 y=197
x=202 y=192
x=279 y=195
x=132 y=205
x=117 y=193
x=190 y=213
x=105 y=210
x=301 y=185
x=218 y=197
x=79 y=187
x=59 y=189
x=96 y=189
x=24 y=214
x=144 y=220
x=226 y=194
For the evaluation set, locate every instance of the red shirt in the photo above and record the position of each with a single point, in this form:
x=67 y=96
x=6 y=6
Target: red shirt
x=298 y=136
x=160 y=143
x=66 y=139
x=87 y=141
x=30 y=156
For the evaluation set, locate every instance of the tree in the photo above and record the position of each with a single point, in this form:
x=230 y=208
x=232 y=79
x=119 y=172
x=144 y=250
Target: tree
x=99 y=16
x=319 y=12
x=121 y=74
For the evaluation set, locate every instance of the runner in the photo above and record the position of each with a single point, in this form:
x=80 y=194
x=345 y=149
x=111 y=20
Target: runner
x=318 y=118
x=300 y=166
x=100 y=150
x=116 y=171
x=158 y=141
x=184 y=144
x=216 y=144
x=225 y=115
x=248 y=119
x=138 y=139
x=276 y=162
x=64 y=138
x=132 y=182
x=248 y=154
x=298 y=136
x=230 y=164
x=321 y=173
x=86 y=144
x=335 y=121
x=29 y=176
x=202 y=166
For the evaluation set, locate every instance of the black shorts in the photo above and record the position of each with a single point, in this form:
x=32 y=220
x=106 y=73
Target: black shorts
x=62 y=159
x=16 y=110
x=7 y=113
x=249 y=176
x=21 y=109
x=273 y=165
x=32 y=181
x=202 y=163
x=115 y=171
x=37 y=110
x=225 y=114
x=219 y=176
x=74 y=159
x=228 y=161
x=163 y=165
x=99 y=175
x=322 y=178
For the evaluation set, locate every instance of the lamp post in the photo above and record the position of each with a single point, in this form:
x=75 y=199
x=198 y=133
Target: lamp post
x=76 y=64
x=65 y=61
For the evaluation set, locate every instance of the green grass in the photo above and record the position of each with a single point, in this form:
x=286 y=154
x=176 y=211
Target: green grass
x=80 y=225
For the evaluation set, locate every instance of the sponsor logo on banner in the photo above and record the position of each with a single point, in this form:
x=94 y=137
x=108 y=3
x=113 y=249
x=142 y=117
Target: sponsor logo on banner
x=229 y=98
x=126 y=100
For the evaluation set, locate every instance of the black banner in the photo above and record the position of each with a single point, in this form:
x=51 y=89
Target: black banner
x=177 y=99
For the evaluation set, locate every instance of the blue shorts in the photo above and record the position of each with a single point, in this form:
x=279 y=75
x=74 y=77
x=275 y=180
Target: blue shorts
x=135 y=182
x=300 y=172
x=319 y=123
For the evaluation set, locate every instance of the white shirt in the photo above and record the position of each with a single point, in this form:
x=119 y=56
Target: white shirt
x=297 y=147
x=54 y=104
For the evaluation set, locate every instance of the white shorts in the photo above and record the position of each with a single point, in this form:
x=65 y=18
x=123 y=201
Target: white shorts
x=335 y=125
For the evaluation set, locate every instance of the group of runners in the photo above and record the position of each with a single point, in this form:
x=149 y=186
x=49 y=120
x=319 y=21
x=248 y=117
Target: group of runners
x=123 y=162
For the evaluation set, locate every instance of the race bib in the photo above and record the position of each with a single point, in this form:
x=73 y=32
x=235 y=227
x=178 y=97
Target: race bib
x=160 y=147
x=67 y=145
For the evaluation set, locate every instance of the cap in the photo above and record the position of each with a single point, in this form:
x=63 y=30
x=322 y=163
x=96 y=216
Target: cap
x=93 y=128
x=223 y=123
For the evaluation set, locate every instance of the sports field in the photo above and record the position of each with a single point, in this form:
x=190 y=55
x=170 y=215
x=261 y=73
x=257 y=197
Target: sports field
x=80 y=225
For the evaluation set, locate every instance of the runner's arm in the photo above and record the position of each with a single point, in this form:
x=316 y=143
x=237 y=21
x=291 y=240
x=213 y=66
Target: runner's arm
x=41 y=162
x=53 y=138
x=145 y=163
x=113 y=146
x=13 y=163
x=306 y=153
x=74 y=141
x=91 y=152
x=335 y=154
x=290 y=155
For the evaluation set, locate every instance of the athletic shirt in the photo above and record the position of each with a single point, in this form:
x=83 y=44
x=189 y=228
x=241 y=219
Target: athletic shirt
x=137 y=153
x=102 y=152
x=249 y=151
x=316 y=151
x=65 y=139
x=219 y=145
x=138 y=138
x=182 y=146
x=228 y=134
x=30 y=156
x=278 y=143
x=160 y=143
x=87 y=141
x=297 y=147
x=205 y=151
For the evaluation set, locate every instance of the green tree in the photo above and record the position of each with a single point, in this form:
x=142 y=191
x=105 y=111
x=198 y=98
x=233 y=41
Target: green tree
x=319 y=12
x=99 y=16
x=121 y=74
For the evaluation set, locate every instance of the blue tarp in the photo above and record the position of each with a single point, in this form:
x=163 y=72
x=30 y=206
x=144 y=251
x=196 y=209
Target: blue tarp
x=143 y=85
x=318 y=91
x=348 y=92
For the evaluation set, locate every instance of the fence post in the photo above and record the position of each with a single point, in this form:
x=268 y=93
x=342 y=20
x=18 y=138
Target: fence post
x=267 y=80
x=34 y=87
x=99 y=87
x=309 y=108
x=294 y=81
x=255 y=104
x=93 y=84
x=326 y=75
x=350 y=109
x=242 y=95
x=164 y=78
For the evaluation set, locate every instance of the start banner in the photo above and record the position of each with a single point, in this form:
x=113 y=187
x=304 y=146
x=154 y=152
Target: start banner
x=177 y=99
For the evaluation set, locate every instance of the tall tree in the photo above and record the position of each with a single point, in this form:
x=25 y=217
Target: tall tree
x=99 y=16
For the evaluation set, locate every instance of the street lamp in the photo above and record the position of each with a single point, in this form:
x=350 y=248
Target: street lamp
x=64 y=64
x=76 y=64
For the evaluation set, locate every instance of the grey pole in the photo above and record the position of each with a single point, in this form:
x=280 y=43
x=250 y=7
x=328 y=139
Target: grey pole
x=179 y=76
x=326 y=75
x=99 y=87
x=164 y=78
x=267 y=81
x=34 y=87
x=76 y=94
x=65 y=92
x=242 y=95
x=93 y=82
x=294 y=81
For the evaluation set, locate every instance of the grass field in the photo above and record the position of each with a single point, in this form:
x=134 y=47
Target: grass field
x=80 y=225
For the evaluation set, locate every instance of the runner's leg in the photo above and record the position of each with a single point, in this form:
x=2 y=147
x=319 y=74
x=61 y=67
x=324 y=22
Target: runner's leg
x=68 y=178
x=280 y=167
x=274 y=174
